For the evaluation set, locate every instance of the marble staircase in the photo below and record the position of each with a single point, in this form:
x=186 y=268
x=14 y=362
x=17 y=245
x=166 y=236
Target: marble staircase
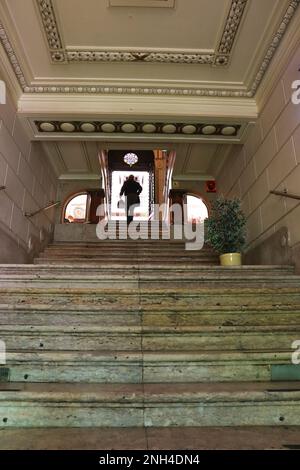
x=146 y=334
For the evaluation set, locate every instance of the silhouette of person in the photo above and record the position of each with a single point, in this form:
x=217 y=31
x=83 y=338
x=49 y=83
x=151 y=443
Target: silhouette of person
x=131 y=189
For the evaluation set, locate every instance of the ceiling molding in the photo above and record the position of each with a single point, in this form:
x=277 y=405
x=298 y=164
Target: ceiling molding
x=278 y=66
x=153 y=108
x=60 y=54
x=277 y=38
x=250 y=92
x=137 y=131
x=147 y=128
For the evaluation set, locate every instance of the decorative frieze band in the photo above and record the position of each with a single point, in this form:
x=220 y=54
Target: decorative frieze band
x=119 y=127
x=232 y=25
x=158 y=57
x=50 y=24
x=288 y=16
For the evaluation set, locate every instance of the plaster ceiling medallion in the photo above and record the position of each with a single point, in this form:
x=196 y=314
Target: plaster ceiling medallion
x=169 y=129
x=47 y=127
x=189 y=129
x=208 y=130
x=128 y=128
x=228 y=130
x=131 y=159
x=88 y=127
x=149 y=128
x=108 y=127
x=67 y=127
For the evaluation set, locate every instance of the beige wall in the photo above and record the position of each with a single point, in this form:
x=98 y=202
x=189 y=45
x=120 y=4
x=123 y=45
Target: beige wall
x=30 y=184
x=269 y=160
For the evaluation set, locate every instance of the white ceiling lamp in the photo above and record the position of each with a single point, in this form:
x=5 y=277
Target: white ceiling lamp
x=229 y=130
x=208 y=130
x=108 y=127
x=169 y=129
x=149 y=128
x=88 y=127
x=189 y=129
x=47 y=127
x=67 y=127
x=128 y=128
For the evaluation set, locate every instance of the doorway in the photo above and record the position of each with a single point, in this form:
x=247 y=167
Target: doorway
x=140 y=164
x=143 y=211
x=196 y=209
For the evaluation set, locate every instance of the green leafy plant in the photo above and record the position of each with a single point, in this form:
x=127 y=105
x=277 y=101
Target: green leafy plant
x=226 y=226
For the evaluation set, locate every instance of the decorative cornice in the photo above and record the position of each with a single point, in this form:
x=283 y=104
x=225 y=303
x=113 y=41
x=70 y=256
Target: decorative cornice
x=12 y=57
x=199 y=129
x=288 y=16
x=60 y=54
x=138 y=90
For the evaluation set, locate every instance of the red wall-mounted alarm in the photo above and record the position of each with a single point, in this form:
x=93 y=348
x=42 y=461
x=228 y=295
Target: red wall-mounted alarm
x=211 y=186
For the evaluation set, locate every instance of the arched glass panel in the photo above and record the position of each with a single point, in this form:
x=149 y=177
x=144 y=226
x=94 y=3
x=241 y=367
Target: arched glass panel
x=76 y=209
x=196 y=209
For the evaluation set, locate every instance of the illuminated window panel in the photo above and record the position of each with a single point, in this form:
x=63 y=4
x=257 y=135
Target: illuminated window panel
x=142 y=211
x=196 y=210
x=76 y=209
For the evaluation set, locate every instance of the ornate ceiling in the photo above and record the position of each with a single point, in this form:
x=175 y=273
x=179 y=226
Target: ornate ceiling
x=59 y=52
x=192 y=48
x=161 y=72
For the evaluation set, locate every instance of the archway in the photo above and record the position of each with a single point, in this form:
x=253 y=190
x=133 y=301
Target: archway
x=196 y=209
x=140 y=164
x=75 y=209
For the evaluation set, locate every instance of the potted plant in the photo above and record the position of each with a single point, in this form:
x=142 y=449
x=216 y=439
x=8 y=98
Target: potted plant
x=226 y=230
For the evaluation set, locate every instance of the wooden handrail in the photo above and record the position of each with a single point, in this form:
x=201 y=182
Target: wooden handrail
x=285 y=194
x=43 y=209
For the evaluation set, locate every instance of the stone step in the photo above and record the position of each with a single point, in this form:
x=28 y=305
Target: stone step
x=144 y=259
x=143 y=255
x=176 y=438
x=125 y=245
x=137 y=338
x=205 y=317
x=135 y=281
x=71 y=271
x=124 y=261
x=138 y=367
x=152 y=299
x=139 y=245
x=102 y=249
x=150 y=405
